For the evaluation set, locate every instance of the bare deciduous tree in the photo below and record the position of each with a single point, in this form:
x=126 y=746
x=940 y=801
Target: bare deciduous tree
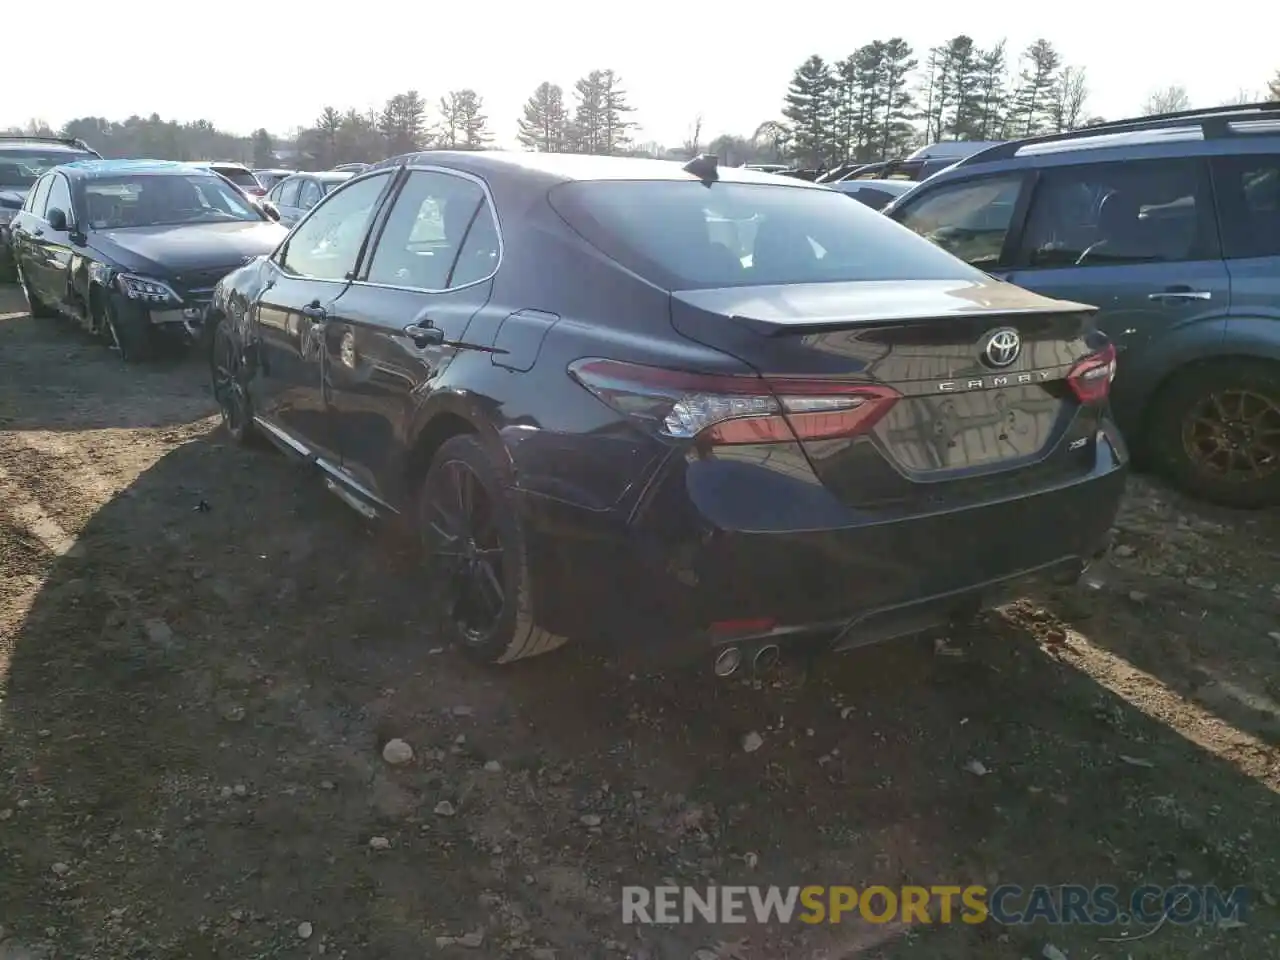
x=1169 y=99
x=693 y=145
x=1072 y=93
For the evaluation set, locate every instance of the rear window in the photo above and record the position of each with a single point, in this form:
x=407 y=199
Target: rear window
x=683 y=235
x=241 y=178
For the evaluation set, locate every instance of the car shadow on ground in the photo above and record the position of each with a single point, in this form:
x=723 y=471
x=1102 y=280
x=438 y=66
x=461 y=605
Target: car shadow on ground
x=52 y=360
x=196 y=704
x=1199 y=604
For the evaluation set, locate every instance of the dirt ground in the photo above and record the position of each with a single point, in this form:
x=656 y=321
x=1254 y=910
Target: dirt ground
x=202 y=654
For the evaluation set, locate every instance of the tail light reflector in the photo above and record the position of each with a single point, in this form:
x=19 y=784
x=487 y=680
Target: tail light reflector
x=1090 y=379
x=727 y=410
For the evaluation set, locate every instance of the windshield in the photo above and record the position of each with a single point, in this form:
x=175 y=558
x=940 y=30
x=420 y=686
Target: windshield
x=685 y=235
x=22 y=168
x=331 y=185
x=111 y=203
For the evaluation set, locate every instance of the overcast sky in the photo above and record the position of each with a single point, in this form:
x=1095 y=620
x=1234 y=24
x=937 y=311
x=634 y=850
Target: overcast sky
x=247 y=65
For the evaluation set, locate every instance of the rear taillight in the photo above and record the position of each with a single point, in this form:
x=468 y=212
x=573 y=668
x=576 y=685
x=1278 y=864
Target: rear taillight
x=722 y=409
x=1090 y=379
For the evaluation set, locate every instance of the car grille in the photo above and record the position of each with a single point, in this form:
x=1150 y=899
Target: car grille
x=199 y=284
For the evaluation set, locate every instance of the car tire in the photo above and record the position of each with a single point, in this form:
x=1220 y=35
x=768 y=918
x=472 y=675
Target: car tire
x=131 y=337
x=227 y=375
x=470 y=555
x=1201 y=412
x=35 y=306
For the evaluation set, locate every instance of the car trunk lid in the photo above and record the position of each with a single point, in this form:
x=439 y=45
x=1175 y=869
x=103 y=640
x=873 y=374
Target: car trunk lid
x=981 y=367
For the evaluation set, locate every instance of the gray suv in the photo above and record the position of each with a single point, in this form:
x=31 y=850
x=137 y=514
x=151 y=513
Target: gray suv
x=1170 y=225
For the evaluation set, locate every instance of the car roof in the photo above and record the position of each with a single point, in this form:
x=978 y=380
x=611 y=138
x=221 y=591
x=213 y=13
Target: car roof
x=217 y=163
x=890 y=186
x=326 y=176
x=53 y=146
x=91 y=169
x=554 y=168
x=1227 y=130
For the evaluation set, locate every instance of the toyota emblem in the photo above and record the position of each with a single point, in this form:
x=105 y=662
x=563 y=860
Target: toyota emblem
x=1002 y=347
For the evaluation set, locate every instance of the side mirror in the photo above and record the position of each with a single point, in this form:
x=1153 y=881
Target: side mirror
x=270 y=210
x=57 y=219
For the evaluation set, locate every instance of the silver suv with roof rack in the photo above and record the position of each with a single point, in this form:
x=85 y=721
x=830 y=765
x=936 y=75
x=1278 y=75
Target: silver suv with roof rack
x=1170 y=225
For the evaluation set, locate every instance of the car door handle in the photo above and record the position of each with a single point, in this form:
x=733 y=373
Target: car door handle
x=314 y=312
x=1181 y=293
x=424 y=334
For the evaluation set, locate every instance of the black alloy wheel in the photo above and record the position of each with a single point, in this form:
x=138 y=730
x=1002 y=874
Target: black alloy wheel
x=1216 y=431
x=473 y=543
x=226 y=370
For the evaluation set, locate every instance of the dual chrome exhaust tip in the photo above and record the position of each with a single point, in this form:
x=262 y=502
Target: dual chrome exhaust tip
x=731 y=658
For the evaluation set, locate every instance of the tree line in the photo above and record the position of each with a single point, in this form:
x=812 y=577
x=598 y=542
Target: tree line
x=884 y=99
x=878 y=102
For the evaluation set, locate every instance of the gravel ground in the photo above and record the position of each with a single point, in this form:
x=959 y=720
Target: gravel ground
x=203 y=656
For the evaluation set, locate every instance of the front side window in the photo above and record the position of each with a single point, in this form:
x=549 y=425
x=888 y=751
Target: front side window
x=59 y=197
x=969 y=220
x=326 y=245
x=436 y=216
x=40 y=194
x=21 y=168
x=147 y=200
x=1141 y=211
x=1248 y=189
x=682 y=234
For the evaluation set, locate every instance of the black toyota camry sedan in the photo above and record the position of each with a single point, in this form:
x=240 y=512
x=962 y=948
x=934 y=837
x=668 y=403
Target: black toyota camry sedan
x=681 y=407
x=132 y=248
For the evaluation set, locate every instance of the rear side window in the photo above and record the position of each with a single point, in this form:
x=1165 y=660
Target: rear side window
x=1248 y=189
x=241 y=178
x=685 y=235
x=970 y=219
x=1138 y=211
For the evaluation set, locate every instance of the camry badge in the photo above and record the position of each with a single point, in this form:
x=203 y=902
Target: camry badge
x=1002 y=347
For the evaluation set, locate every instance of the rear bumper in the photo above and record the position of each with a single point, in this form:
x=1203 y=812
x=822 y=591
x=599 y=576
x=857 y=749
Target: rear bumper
x=689 y=566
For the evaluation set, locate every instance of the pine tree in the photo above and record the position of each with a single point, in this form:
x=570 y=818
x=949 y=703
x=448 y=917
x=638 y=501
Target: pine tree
x=995 y=93
x=542 y=127
x=614 y=135
x=938 y=94
x=327 y=126
x=896 y=130
x=588 y=116
x=450 y=110
x=263 y=148
x=471 y=131
x=1032 y=110
x=869 y=67
x=963 y=120
x=847 y=120
x=809 y=108
x=402 y=121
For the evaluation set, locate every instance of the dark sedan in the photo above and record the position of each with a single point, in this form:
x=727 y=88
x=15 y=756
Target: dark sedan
x=681 y=406
x=132 y=248
x=293 y=196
